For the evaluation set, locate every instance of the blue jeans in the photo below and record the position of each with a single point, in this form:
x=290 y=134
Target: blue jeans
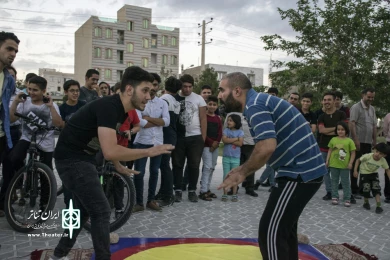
x=269 y=174
x=209 y=162
x=327 y=179
x=81 y=178
x=139 y=165
x=229 y=163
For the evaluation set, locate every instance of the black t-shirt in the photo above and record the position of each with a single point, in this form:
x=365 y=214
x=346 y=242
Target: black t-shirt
x=329 y=121
x=310 y=117
x=67 y=111
x=87 y=95
x=79 y=138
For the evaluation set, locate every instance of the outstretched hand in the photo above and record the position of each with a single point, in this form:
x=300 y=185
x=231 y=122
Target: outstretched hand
x=125 y=171
x=233 y=178
x=160 y=149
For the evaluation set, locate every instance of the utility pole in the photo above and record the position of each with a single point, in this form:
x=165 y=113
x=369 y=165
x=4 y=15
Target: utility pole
x=270 y=71
x=203 y=44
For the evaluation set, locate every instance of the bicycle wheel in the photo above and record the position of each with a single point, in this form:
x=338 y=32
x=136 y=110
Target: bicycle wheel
x=112 y=181
x=27 y=207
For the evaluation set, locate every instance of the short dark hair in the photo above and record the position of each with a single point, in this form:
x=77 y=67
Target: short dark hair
x=273 y=90
x=116 y=87
x=12 y=68
x=186 y=78
x=39 y=81
x=108 y=85
x=344 y=125
x=29 y=76
x=238 y=79
x=69 y=83
x=8 y=36
x=156 y=77
x=90 y=72
x=295 y=93
x=329 y=94
x=212 y=99
x=308 y=95
x=173 y=85
x=206 y=87
x=364 y=91
x=382 y=147
x=236 y=119
x=134 y=76
x=338 y=94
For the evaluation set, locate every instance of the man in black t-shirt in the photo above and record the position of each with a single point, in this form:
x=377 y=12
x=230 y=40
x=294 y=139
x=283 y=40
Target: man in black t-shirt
x=91 y=128
x=90 y=91
x=326 y=127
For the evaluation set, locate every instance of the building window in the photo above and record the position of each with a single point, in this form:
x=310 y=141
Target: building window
x=98 y=52
x=145 y=24
x=108 y=53
x=173 y=60
x=164 y=59
x=119 y=75
x=154 y=41
x=164 y=40
x=98 y=32
x=220 y=74
x=59 y=89
x=119 y=55
x=153 y=59
x=129 y=64
x=108 y=33
x=130 y=25
x=121 y=37
x=145 y=43
x=145 y=62
x=130 y=47
x=173 y=41
x=107 y=74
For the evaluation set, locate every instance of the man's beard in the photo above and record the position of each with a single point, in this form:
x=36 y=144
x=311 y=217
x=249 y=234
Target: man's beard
x=232 y=105
x=136 y=103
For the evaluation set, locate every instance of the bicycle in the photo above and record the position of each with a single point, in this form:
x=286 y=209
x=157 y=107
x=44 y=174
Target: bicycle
x=34 y=180
x=119 y=189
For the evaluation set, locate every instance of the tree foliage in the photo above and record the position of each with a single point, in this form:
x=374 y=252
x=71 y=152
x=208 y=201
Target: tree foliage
x=340 y=44
x=208 y=77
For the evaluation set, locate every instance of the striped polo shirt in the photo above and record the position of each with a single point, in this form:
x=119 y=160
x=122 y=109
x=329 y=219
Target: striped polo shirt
x=297 y=152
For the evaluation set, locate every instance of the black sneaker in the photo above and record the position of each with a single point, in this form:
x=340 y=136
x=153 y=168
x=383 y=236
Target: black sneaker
x=256 y=186
x=366 y=206
x=352 y=200
x=328 y=196
x=271 y=189
x=178 y=196
x=118 y=213
x=387 y=200
x=252 y=193
x=192 y=196
x=378 y=210
x=159 y=196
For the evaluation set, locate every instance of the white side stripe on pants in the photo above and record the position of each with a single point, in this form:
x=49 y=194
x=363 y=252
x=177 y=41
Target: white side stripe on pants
x=276 y=217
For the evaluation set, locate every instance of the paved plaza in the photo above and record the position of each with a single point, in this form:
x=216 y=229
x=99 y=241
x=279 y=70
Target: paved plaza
x=321 y=221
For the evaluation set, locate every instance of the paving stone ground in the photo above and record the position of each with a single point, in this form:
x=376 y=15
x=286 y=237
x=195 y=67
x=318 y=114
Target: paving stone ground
x=321 y=221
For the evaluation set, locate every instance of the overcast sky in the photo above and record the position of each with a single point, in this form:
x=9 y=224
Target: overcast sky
x=46 y=29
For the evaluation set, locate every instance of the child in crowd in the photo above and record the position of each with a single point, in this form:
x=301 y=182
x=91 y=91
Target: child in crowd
x=233 y=139
x=369 y=166
x=340 y=158
x=210 y=150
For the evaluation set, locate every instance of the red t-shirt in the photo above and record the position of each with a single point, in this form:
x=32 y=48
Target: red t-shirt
x=132 y=118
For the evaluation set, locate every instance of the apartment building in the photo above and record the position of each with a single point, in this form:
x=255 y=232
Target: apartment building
x=112 y=45
x=55 y=80
x=255 y=75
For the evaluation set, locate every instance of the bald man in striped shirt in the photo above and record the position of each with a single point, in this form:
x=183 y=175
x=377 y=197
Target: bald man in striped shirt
x=284 y=140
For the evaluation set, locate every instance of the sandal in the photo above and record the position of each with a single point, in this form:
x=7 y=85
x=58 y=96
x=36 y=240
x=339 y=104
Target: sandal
x=224 y=197
x=204 y=196
x=211 y=195
x=234 y=198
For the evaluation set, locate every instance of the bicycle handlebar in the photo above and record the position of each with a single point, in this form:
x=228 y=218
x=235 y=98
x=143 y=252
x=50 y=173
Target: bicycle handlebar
x=30 y=121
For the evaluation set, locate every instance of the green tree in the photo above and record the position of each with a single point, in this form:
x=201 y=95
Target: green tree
x=343 y=44
x=208 y=77
x=261 y=88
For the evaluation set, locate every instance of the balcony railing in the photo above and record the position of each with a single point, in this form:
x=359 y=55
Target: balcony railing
x=120 y=41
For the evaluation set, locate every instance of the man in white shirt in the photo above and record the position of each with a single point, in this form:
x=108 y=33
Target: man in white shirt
x=152 y=120
x=191 y=134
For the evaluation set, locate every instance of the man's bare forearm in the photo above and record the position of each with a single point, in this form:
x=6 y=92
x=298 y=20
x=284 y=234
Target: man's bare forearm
x=260 y=156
